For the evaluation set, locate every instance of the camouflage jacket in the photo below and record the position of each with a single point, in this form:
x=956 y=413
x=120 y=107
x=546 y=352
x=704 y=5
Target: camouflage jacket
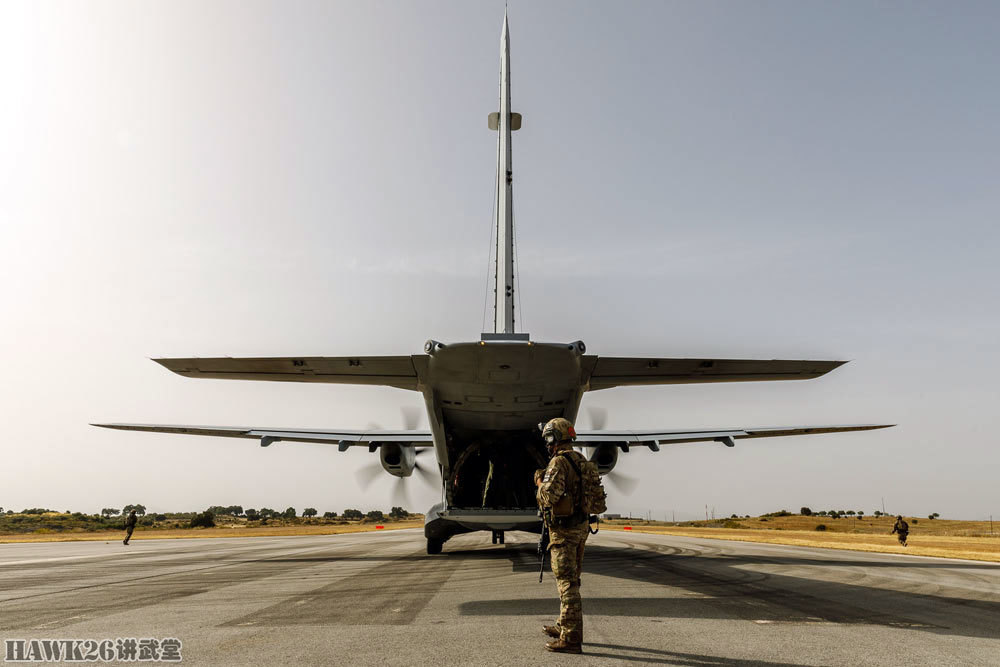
x=561 y=480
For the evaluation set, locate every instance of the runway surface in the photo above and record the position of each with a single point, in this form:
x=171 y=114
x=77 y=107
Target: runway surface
x=377 y=599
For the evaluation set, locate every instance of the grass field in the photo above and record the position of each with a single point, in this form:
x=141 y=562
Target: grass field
x=234 y=530
x=939 y=537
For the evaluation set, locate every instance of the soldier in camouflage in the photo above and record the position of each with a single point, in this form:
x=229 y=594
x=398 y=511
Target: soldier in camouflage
x=558 y=488
x=130 y=522
x=901 y=529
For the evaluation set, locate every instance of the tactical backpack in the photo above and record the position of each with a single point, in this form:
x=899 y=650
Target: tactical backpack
x=591 y=496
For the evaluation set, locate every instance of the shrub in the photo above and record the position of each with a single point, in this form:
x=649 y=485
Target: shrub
x=203 y=520
x=353 y=514
x=329 y=515
x=805 y=511
x=309 y=512
x=821 y=526
x=732 y=524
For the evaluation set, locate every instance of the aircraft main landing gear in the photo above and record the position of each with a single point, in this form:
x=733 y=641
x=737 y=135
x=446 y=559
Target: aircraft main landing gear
x=497 y=537
x=434 y=546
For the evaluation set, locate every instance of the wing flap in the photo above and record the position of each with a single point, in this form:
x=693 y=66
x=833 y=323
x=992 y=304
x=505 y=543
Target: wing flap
x=342 y=438
x=622 y=371
x=654 y=438
x=392 y=371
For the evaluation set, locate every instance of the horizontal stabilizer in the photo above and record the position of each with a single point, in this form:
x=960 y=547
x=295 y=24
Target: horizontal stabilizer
x=342 y=438
x=396 y=371
x=628 y=371
x=653 y=439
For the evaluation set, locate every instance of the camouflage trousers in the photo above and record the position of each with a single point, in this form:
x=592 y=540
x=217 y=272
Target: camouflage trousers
x=566 y=554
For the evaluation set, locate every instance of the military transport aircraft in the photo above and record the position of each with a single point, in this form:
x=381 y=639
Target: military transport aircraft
x=485 y=398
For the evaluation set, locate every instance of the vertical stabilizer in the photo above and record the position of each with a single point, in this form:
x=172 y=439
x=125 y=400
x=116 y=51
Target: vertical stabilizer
x=504 y=121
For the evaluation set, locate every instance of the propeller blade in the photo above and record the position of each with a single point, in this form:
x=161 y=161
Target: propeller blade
x=624 y=483
x=366 y=474
x=430 y=478
x=411 y=417
x=598 y=418
x=400 y=497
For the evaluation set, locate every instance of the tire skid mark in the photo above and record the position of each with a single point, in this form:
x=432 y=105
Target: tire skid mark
x=55 y=609
x=761 y=597
x=392 y=593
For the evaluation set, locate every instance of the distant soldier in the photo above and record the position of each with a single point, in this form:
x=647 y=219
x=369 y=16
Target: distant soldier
x=130 y=522
x=562 y=496
x=901 y=529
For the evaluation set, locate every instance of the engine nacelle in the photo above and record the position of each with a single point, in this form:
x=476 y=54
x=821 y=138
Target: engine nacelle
x=605 y=457
x=398 y=460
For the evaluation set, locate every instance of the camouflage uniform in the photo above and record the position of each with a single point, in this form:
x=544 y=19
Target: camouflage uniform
x=902 y=529
x=130 y=522
x=566 y=543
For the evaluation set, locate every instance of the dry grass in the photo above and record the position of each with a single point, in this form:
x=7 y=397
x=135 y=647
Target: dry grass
x=218 y=531
x=940 y=538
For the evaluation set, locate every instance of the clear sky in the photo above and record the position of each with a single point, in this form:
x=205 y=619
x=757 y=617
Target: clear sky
x=699 y=179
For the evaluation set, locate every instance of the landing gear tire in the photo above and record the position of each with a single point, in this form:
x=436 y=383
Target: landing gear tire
x=434 y=546
x=497 y=537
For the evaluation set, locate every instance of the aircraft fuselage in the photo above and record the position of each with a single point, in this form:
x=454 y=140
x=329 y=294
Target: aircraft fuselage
x=484 y=401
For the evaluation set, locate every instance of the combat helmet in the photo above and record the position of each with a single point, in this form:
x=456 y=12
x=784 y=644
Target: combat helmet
x=557 y=430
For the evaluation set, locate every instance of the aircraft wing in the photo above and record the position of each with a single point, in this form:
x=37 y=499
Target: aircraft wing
x=653 y=439
x=371 y=439
x=395 y=371
x=621 y=371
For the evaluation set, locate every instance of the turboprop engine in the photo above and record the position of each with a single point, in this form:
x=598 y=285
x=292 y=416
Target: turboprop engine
x=398 y=460
x=605 y=456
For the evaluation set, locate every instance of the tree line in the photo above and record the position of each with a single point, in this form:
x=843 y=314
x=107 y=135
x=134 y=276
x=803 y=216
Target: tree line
x=236 y=511
x=836 y=514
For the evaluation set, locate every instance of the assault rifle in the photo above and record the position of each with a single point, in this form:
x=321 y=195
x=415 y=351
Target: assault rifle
x=543 y=546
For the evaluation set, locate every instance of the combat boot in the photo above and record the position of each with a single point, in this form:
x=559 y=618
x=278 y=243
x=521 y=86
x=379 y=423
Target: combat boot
x=552 y=630
x=563 y=646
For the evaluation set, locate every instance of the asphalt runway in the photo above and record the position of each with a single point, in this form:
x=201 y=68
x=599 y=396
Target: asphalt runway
x=377 y=599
